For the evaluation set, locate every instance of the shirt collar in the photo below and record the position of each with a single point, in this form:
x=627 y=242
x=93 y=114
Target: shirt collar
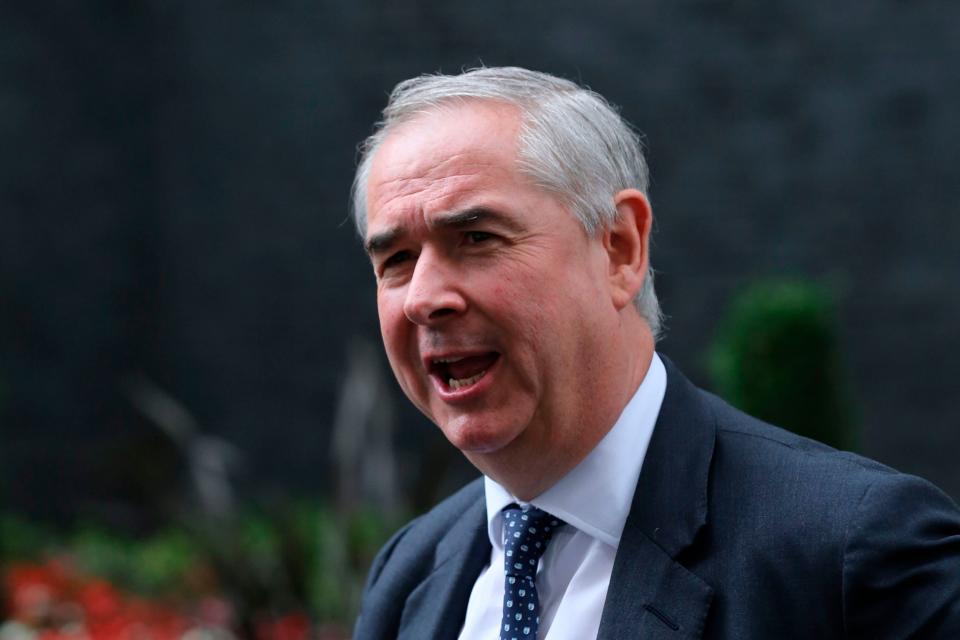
x=595 y=496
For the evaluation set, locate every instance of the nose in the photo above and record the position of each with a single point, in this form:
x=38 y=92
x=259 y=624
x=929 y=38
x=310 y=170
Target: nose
x=433 y=293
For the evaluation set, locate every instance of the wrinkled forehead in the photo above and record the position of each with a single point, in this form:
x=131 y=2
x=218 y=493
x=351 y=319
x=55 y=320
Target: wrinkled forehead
x=446 y=148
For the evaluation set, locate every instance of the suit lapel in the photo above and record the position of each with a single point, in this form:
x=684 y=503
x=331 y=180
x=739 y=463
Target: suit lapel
x=651 y=595
x=435 y=609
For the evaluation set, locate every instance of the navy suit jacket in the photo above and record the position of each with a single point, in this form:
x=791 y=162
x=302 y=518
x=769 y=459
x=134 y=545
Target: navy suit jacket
x=737 y=530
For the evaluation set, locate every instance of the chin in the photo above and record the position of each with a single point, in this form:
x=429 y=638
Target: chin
x=472 y=437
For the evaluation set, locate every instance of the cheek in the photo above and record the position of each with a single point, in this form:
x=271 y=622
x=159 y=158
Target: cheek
x=392 y=329
x=530 y=316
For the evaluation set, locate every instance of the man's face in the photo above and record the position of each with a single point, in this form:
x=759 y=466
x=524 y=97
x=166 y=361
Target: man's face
x=493 y=301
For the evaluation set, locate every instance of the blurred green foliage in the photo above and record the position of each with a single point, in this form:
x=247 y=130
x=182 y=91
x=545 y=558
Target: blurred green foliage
x=21 y=539
x=288 y=556
x=776 y=356
x=158 y=564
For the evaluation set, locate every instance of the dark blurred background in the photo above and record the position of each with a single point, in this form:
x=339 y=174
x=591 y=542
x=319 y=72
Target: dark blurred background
x=183 y=297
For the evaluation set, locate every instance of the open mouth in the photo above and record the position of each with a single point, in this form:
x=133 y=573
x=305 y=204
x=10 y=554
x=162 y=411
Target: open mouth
x=459 y=372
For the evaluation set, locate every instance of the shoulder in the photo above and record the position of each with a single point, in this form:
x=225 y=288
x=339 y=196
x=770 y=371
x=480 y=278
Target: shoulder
x=447 y=531
x=774 y=458
x=887 y=541
x=902 y=554
x=416 y=542
x=752 y=458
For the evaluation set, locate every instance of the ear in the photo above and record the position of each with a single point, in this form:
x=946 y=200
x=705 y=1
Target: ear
x=626 y=242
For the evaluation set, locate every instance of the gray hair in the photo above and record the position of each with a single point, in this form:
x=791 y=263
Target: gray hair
x=572 y=142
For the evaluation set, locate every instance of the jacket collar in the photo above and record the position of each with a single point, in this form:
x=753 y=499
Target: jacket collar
x=651 y=595
x=436 y=607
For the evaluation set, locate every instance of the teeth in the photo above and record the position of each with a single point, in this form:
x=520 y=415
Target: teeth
x=447 y=360
x=465 y=382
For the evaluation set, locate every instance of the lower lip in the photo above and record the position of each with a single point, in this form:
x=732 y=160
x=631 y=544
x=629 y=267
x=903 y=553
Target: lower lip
x=466 y=394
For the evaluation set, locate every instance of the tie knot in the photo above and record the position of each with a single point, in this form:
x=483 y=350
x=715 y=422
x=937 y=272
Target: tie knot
x=526 y=534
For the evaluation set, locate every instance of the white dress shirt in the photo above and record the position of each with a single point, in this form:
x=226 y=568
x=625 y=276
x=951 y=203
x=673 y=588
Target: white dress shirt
x=594 y=500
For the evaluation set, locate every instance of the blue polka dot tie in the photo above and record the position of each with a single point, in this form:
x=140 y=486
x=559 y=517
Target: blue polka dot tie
x=527 y=530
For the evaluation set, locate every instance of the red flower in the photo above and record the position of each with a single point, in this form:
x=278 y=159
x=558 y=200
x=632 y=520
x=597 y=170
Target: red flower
x=295 y=626
x=99 y=599
x=32 y=590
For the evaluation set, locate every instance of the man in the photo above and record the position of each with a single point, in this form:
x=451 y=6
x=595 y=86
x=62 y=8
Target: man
x=505 y=215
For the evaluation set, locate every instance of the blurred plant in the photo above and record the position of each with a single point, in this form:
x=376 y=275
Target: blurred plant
x=284 y=571
x=776 y=357
x=21 y=539
x=159 y=564
x=298 y=556
x=54 y=600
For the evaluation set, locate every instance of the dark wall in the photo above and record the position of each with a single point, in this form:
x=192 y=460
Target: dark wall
x=174 y=185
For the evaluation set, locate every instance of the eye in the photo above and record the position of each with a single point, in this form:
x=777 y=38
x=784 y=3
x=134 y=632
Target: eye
x=396 y=259
x=476 y=237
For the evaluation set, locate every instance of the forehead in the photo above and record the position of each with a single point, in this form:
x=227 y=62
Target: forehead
x=443 y=156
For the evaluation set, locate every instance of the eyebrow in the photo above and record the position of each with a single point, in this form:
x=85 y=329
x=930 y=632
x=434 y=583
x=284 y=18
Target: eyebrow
x=382 y=241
